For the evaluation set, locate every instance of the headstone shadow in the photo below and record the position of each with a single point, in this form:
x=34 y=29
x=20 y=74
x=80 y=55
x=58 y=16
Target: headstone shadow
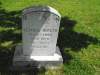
x=72 y=40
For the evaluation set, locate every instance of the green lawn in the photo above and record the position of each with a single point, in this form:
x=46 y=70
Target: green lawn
x=79 y=36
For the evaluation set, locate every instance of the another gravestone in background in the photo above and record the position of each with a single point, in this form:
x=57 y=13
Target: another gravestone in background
x=40 y=26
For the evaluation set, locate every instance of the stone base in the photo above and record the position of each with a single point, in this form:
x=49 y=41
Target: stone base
x=21 y=60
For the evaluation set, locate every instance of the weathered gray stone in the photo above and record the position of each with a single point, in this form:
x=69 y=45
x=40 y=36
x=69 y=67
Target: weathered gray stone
x=36 y=61
x=40 y=26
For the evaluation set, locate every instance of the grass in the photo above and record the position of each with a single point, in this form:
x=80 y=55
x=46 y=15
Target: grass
x=79 y=36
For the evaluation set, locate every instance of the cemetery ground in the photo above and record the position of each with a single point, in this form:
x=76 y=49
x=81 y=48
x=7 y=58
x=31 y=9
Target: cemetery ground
x=79 y=35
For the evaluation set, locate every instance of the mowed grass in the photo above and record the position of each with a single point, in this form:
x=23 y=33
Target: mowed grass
x=79 y=35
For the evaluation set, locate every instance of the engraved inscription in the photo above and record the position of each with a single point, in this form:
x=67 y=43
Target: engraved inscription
x=40 y=32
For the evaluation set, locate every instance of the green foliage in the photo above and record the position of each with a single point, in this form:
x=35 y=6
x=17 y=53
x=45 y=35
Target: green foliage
x=79 y=35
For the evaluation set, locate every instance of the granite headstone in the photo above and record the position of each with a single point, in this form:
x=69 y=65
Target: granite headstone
x=40 y=27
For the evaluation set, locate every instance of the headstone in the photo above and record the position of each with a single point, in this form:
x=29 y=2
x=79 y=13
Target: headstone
x=40 y=27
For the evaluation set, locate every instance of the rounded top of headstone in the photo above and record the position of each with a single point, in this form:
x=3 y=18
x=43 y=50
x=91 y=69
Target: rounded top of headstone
x=41 y=9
